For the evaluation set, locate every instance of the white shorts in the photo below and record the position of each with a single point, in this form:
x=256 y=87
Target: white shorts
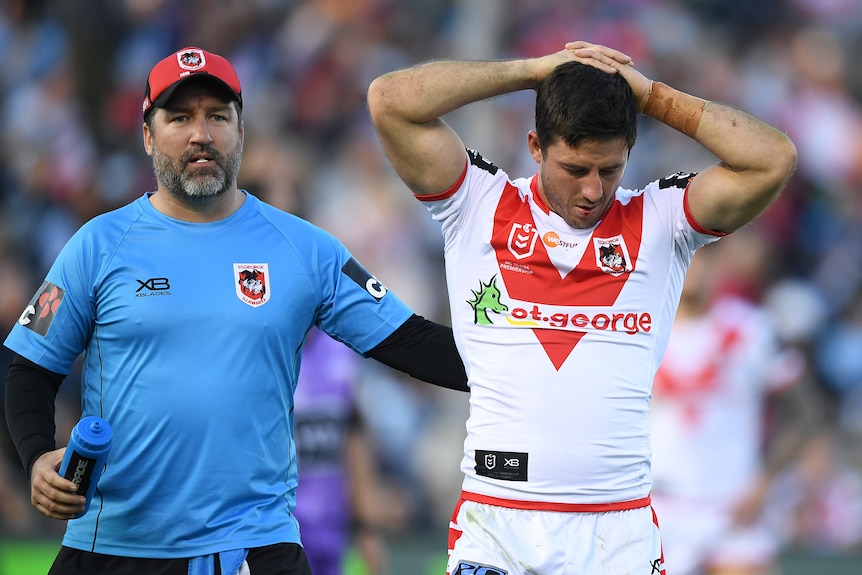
x=700 y=534
x=492 y=536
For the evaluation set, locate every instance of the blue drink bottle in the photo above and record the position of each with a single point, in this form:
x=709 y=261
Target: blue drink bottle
x=85 y=456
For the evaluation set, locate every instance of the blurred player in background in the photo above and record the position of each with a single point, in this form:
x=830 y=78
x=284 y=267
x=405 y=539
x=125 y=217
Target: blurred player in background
x=342 y=501
x=716 y=450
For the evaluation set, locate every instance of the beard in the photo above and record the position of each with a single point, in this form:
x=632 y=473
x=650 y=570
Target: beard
x=202 y=185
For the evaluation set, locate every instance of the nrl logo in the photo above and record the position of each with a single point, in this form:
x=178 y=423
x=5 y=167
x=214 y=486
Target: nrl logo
x=252 y=283
x=612 y=256
x=522 y=240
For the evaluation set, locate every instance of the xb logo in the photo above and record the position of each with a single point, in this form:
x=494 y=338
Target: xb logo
x=154 y=284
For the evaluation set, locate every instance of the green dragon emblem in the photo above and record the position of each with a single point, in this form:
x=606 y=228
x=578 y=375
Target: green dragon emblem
x=486 y=299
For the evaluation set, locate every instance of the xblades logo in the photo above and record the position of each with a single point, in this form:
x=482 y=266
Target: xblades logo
x=153 y=286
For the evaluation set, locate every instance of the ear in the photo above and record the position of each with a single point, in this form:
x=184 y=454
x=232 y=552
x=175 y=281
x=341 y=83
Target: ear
x=534 y=146
x=148 y=139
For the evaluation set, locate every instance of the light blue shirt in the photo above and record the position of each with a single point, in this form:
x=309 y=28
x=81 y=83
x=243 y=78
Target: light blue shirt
x=192 y=335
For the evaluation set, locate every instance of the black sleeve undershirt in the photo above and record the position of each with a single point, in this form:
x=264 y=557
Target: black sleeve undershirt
x=424 y=350
x=30 y=394
x=419 y=347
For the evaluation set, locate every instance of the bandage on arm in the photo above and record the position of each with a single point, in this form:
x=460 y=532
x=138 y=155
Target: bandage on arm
x=677 y=109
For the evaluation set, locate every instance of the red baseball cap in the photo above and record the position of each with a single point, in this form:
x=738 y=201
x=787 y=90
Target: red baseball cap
x=189 y=62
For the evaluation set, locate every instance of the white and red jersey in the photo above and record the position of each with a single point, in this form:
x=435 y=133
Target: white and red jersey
x=708 y=402
x=561 y=331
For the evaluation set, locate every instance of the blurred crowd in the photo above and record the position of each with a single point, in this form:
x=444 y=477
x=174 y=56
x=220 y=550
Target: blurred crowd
x=70 y=121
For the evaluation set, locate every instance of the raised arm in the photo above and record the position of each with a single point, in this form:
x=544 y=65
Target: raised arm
x=406 y=108
x=755 y=160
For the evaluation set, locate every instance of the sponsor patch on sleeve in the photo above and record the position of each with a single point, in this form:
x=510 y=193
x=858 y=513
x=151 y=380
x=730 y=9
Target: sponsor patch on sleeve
x=40 y=312
x=363 y=278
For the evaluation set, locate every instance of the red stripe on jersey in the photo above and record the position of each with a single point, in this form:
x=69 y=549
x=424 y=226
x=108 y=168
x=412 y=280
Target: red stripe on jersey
x=692 y=222
x=455 y=530
x=661 y=552
x=447 y=193
x=561 y=507
x=586 y=285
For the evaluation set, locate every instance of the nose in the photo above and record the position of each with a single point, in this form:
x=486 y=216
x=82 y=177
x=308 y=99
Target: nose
x=591 y=187
x=200 y=133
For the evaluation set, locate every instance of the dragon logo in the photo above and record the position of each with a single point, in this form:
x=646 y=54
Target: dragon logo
x=612 y=256
x=252 y=283
x=486 y=299
x=191 y=60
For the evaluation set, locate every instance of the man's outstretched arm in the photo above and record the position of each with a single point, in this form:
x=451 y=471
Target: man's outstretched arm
x=424 y=350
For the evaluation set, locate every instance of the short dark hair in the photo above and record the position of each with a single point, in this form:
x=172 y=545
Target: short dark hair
x=579 y=103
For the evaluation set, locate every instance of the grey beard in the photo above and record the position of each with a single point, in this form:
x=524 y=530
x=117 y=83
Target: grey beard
x=203 y=186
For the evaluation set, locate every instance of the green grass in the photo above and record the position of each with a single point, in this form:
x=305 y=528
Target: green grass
x=35 y=558
x=27 y=557
x=423 y=564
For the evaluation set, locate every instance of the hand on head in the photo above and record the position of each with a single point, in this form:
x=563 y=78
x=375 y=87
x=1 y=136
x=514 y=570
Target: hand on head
x=611 y=61
x=601 y=57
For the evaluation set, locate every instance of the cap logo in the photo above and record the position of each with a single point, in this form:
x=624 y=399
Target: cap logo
x=191 y=60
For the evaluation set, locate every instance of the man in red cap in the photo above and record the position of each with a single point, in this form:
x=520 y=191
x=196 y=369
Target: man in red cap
x=192 y=305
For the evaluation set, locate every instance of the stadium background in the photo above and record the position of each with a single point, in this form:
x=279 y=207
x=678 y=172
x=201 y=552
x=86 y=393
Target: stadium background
x=71 y=84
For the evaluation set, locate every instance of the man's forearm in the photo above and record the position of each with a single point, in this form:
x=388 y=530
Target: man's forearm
x=680 y=111
x=428 y=91
x=30 y=394
x=738 y=139
x=744 y=143
x=425 y=350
